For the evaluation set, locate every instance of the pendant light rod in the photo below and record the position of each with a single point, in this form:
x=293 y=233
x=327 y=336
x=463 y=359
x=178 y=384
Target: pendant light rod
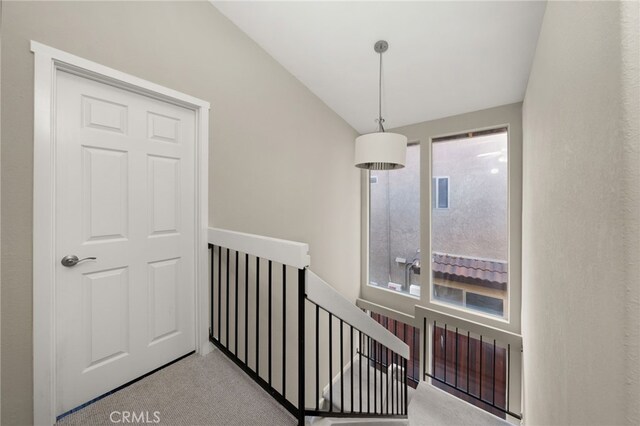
x=380 y=119
x=380 y=47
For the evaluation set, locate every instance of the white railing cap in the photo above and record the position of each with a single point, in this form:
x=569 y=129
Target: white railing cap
x=325 y=296
x=291 y=253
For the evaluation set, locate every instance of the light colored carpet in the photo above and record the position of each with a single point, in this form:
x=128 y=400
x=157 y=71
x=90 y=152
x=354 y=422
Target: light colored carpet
x=432 y=406
x=209 y=390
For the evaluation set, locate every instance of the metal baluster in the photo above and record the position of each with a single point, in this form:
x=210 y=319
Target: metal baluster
x=404 y=371
x=433 y=348
x=406 y=390
x=404 y=334
x=330 y=362
x=317 y=357
x=494 y=372
x=398 y=386
x=219 y=294
x=387 y=381
x=375 y=377
x=401 y=384
x=392 y=373
x=456 y=365
x=351 y=362
x=413 y=356
x=445 y=353
x=284 y=331
x=424 y=348
x=302 y=295
x=258 y=316
x=236 y=309
x=368 y=374
x=213 y=248
x=226 y=343
x=341 y=367
x=395 y=381
x=382 y=375
x=395 y=332
x=269 y=283
x=246 y=309
x=380 y=366
x=360 y=373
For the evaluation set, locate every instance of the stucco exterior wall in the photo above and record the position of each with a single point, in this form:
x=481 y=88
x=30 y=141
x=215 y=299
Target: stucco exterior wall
x=476 y=222
x=400 y=188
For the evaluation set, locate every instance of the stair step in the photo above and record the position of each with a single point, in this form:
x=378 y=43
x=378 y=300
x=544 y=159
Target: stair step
x=355 y=421
x=432 y=406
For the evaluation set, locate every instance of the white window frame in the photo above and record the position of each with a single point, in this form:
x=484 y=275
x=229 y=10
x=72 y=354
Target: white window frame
x=435 y=204
x=511 y=320
x=406 y=303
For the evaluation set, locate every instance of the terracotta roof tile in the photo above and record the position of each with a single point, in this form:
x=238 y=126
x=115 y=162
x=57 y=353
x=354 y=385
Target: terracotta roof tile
x=467 y=267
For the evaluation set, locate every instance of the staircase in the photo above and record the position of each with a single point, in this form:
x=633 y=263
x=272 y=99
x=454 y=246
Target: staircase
x=320 y=356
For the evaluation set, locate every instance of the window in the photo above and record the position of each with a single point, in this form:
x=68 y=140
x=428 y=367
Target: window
x=450 y=294
x=488 y=304
x=394 y=226
x=440 y=193
x=470 y=242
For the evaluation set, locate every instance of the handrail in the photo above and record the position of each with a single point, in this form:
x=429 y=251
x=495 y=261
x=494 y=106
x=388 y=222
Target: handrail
x=322 y=294
x=505 y=337
x=291 y=253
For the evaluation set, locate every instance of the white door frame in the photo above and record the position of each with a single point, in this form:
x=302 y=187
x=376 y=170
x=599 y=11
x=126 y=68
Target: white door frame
x=48 y=62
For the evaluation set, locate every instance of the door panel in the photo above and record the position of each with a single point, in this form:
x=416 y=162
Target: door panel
x=105 y=194
x=104 y=115
x=164 y=188
x=125 y=194
x=163 y=294
x=106 y=315
x=163 y=128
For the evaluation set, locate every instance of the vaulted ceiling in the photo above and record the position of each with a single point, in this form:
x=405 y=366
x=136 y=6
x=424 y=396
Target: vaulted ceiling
x=444 y=58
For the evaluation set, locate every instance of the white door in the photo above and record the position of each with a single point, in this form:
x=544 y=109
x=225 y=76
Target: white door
x=125 y=194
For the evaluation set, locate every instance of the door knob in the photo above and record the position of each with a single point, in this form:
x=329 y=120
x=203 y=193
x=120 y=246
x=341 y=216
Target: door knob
x=72 y=260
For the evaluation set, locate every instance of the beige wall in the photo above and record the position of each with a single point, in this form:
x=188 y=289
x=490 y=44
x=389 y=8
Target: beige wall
x=510 y=115
x=281 y=160
x=580 y=217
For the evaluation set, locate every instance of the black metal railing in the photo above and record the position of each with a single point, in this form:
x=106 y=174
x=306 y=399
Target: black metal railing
x=409 y=335
x=236 y=320
x=468 y=366
x=363 y=386
x=242 y=325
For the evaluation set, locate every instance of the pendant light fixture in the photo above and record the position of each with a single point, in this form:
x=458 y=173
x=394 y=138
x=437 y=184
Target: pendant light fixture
x=381 y=150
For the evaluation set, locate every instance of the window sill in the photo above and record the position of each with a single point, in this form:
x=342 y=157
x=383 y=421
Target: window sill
x=395 y=288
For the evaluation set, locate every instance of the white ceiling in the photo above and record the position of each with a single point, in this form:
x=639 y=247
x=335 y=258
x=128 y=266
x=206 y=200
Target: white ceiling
x=444 y=58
